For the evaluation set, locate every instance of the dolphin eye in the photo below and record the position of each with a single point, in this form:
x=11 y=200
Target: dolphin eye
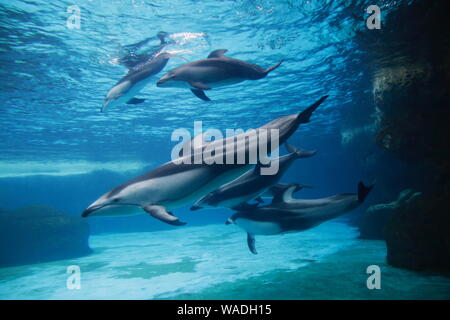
x=116 y=200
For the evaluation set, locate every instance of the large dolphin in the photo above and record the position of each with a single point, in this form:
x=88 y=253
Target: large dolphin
x=250 y=185
x=134 y=81
x=181 y=181
x=286 y=214
x=215 y=71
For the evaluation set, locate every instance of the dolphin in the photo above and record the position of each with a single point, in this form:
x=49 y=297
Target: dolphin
x=215 y=71
x=132 y=59
x=286 y=214
x=251 y=184
x=181 y=180
x=134 y=81
x=278 y=188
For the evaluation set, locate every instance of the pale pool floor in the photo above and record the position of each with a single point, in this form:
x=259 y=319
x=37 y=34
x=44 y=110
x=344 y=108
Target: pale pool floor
x=213 y=262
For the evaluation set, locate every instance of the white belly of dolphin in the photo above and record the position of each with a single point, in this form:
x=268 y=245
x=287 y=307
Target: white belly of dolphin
x=175 y=190
x=117 y=210
x=258 y=227
x=124 y=96
x=135 y=89
x=192 y=185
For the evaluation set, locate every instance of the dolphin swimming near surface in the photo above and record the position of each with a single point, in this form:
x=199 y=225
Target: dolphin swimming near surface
x=215 y=71
x=286 y=214
x=134 y=81
x=251 y=184
x=177 y=183
x=132 y=59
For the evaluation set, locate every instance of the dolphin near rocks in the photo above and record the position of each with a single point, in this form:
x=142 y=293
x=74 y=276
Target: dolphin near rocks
x=286 y=214
x=250 y=185
x=179 y=181
x=215 y=71
x=134 y=81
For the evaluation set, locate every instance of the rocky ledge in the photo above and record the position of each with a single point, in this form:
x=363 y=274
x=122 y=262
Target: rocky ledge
x=38 y=233
x=417 y=234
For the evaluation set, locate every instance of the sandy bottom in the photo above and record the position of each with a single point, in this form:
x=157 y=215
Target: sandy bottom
x=213 y=262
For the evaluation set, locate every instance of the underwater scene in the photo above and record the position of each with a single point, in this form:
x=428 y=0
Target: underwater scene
x=235 y=149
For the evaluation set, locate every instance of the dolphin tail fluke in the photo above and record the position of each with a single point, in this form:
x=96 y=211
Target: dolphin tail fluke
x=160 y=213
x=305 y=115
x=363 y=191
x=301 y=153
x=251 y=243
x=268 y=70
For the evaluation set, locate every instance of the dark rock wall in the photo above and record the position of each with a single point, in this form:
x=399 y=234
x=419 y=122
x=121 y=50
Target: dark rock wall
x=410 y=121
x=38 y=234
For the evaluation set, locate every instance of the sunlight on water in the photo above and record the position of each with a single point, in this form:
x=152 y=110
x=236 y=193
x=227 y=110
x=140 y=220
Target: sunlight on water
x=52 y=105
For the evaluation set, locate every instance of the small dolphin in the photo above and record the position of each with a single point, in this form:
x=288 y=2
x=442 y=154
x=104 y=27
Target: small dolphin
x=215 y=71
x=134 y=81
x=286 y=214
x=251 y=184
x=178 y=182
x=132 y=59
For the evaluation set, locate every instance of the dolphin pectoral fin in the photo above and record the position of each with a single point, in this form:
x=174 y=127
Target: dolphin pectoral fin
x=135 y=101
x=217 y=53
x=200 y=94
x=160 y=213
x=251 y=243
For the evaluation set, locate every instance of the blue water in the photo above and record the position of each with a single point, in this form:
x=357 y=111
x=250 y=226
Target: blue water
x=58 y=150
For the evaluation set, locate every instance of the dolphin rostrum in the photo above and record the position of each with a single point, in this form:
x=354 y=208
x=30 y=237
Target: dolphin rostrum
x=251 y=184
x=286 y=214
x=215 y=71
x=134 y=81
x=179 y=181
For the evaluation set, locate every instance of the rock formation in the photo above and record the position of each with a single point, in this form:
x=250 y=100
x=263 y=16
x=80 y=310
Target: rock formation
x=410 y=57
x=38 y=233
x=373 y=222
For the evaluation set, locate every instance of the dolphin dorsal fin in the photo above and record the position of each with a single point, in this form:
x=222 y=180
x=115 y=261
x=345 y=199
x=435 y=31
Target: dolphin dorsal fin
x=285 y=194
x=217 y=53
